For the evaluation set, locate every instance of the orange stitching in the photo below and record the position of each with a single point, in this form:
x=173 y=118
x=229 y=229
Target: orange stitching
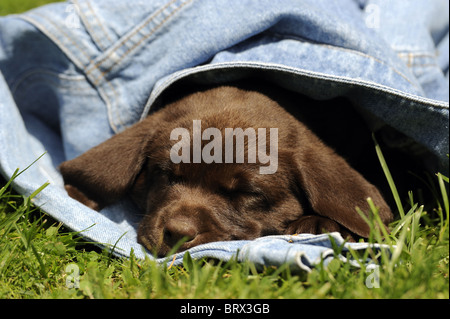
x=343 y=49
x=61 y=30
x=89 y=26
x=122 y=41
x=99 y=22
x=414 y=55
x=102 y=73
x=114 y=109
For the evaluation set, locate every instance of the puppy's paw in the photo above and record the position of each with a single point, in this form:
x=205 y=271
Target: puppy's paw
x=313 y=224
x=75 y=193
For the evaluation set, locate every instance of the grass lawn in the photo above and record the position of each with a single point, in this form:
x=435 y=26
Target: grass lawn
x=39 y=258
x=15 y=6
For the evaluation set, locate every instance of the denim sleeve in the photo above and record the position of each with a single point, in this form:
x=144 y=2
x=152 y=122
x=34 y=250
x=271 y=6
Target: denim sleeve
x=73 y=74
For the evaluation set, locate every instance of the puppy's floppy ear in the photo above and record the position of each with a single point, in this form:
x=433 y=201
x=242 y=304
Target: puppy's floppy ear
x=105 y=173
x=334 y=189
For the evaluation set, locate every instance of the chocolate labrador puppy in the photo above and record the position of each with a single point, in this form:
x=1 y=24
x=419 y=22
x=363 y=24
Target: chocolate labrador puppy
x=224 y=163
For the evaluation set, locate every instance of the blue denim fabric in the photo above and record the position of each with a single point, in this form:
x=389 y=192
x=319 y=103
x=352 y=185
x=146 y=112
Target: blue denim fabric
x=300 y=252
x=74 y=74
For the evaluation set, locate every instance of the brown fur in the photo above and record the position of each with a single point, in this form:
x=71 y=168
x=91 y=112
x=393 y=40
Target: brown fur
x=314 y=190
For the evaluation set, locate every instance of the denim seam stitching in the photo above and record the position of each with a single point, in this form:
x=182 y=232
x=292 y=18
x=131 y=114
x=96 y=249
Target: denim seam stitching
x=45 y=72
x=108 y=103
x=111 y=109
x=128 y=36
x=123 y=41
x=334 y=47
x=102 y=93
x=410 y=58
x=415 y=54
x=99 y=22
x=55 y=39
x=277 y=67
x=114 y=109
x=89 y=26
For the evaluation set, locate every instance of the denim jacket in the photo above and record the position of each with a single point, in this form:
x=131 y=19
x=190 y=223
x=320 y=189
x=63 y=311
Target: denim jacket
x=73 y=74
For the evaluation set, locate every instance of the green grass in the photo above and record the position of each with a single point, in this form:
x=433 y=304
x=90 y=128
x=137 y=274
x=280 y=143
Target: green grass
x=39 y=258
x=18 y=6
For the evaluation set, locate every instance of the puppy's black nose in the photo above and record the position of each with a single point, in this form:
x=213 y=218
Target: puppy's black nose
x=178 y=228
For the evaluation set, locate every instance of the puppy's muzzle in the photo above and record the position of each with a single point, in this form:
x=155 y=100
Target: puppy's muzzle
x=179 y=228
x=182 y=225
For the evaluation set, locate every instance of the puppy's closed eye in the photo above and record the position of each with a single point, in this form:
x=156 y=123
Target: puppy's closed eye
x=245 y=197
x=167 y=177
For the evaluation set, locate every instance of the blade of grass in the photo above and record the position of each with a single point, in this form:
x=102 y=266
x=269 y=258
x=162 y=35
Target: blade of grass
x=375 y=233
x=414 y=227
x=8 y=224
x=404 y=221
x=37 y=191
x=400 y=244
x=175 y=248
x=441 y=179
x=445 y=178
x=42 y=268
x=17 y=173
x=113 y=249
x=380 y=224
x=389 y=178
x=4 y=188
x=444 y=225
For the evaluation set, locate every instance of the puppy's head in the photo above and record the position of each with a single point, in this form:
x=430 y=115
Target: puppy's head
x=214 y=195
